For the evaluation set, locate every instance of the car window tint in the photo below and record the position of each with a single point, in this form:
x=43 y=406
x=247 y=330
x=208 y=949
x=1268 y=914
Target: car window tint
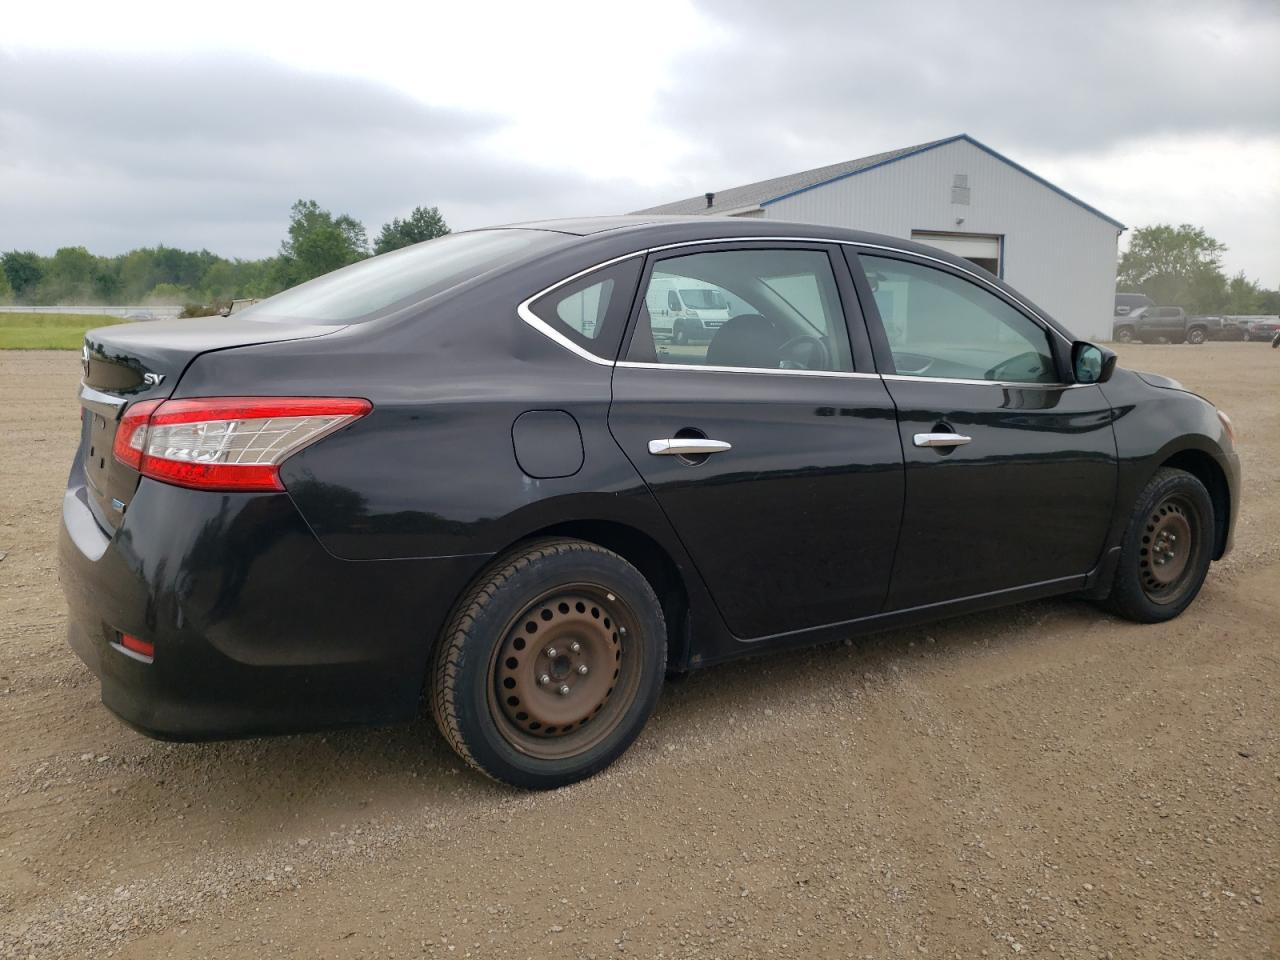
x=592 y=310
x=584 y=310
x=362 y=290
x=751 y=309
x=939 y=325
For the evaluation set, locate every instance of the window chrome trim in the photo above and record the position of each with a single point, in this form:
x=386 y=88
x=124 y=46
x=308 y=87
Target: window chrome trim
x=528 y=316
x=1021 y=384
x=532 y=319
x=700 y=368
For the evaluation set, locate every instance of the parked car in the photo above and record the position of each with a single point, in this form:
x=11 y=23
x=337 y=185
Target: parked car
x=424 y=476
x=1221 y=328
x=1127 y=303
x=1152 y=324
x=1261 y=328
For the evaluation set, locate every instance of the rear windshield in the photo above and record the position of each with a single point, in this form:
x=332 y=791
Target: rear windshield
x=359 y=292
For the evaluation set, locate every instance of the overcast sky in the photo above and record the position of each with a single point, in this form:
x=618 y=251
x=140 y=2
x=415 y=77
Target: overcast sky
x=136 y=123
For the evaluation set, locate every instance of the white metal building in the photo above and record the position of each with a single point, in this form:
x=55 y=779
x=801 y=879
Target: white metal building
x=962 y=196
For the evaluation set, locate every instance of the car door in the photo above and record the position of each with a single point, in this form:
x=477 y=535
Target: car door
x=1010 y=470
x=772 y=448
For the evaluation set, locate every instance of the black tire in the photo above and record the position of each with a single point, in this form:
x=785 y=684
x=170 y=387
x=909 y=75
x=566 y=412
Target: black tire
x=679 y=337
x=1126 y=335
x=1142 y=590
x=1197 y=335
x=573 y=593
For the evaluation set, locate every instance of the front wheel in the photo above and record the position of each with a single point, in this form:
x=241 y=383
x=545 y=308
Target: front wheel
x=551 y=664
x=1126 y=335
x=1197 y=335
x=1166 y=550
x=680 y=337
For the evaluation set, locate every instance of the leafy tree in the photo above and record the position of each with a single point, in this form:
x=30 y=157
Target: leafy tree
x=1243 y=296
x=69 y=277
x=1178 y=266
x=318 y=242
x=425 y=223
x=168 y=293
x=23 y=270
x=6 y=291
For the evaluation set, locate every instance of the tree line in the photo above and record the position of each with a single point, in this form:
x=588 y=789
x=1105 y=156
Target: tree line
x=1182 y=267
x=315 y=243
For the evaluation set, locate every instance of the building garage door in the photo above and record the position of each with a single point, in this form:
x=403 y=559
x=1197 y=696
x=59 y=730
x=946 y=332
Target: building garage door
x=980 y=248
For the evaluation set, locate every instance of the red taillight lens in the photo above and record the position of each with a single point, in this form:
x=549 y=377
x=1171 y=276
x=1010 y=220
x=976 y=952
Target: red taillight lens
x=227 y=443
x=131 y=435
x=141 y=647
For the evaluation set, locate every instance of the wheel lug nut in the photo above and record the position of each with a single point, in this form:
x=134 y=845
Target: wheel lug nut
x=551 y=652
x=564 y=690
x=582 y=669
x=544 y=680
x=575 y=646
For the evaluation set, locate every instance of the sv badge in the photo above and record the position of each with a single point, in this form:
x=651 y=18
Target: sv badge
x=153 y=379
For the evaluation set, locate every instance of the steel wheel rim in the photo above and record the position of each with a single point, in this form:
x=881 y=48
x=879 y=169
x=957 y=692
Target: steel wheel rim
x=532 y=668
x=1169 y=550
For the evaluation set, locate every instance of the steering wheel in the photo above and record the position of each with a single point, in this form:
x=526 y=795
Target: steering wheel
x=1027 y=363
x=820 y=358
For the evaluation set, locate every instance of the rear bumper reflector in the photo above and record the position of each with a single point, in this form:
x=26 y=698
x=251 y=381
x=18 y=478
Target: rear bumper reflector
x=141 y=649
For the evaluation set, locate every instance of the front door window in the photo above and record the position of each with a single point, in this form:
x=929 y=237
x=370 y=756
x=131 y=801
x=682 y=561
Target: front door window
x=940 y=325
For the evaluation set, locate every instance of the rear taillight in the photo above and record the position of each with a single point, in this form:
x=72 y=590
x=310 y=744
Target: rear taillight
x=132 y=433
x=227 y=443
x=137 y=645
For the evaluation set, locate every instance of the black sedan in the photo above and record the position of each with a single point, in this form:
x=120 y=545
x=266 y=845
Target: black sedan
x=468 y=472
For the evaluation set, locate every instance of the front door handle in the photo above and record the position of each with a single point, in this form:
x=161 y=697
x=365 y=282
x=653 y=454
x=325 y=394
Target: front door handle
x=940 y=439
x=687 y=446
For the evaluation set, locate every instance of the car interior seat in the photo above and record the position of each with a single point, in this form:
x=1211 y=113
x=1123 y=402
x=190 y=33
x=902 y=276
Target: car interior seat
x=748 y=340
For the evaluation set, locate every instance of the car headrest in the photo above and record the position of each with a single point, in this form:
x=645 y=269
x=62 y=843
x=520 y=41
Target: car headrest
x=748 y=340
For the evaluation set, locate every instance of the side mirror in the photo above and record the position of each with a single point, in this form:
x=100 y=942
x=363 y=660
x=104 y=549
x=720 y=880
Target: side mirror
x=1091 y=363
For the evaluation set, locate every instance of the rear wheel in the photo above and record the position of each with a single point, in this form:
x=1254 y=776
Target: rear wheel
x=1166 y=551
x=551 y=664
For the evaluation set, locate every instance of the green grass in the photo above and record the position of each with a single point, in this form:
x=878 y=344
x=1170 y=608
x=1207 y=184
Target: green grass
x=48 y=331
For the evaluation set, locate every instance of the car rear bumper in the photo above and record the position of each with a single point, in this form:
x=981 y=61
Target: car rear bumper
x=256 y=628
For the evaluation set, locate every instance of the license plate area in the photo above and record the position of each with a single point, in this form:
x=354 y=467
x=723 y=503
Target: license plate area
x=99 y=435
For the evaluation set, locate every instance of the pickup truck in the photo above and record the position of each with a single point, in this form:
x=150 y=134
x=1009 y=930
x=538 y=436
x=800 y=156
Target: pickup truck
x=1164 y=323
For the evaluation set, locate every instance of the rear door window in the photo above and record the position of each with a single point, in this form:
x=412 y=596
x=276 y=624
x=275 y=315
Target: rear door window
x=769 y=309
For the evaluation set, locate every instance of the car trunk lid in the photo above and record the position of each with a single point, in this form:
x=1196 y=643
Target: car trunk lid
x=126 y=363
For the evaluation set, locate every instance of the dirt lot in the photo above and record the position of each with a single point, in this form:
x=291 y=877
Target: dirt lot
x=1042 y=781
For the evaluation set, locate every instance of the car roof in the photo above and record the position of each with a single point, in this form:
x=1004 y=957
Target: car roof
x=652 y=230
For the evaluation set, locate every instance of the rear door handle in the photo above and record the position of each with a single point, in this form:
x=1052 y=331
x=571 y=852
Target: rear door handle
x=681 y=446
x=940 y=439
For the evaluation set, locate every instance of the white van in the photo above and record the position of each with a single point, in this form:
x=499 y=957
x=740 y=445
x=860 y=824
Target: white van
x=683 y=310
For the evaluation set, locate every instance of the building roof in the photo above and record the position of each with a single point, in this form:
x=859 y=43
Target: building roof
x=765 y=192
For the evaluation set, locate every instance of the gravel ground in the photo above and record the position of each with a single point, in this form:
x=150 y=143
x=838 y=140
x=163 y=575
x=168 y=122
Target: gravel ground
x=1041 y=781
